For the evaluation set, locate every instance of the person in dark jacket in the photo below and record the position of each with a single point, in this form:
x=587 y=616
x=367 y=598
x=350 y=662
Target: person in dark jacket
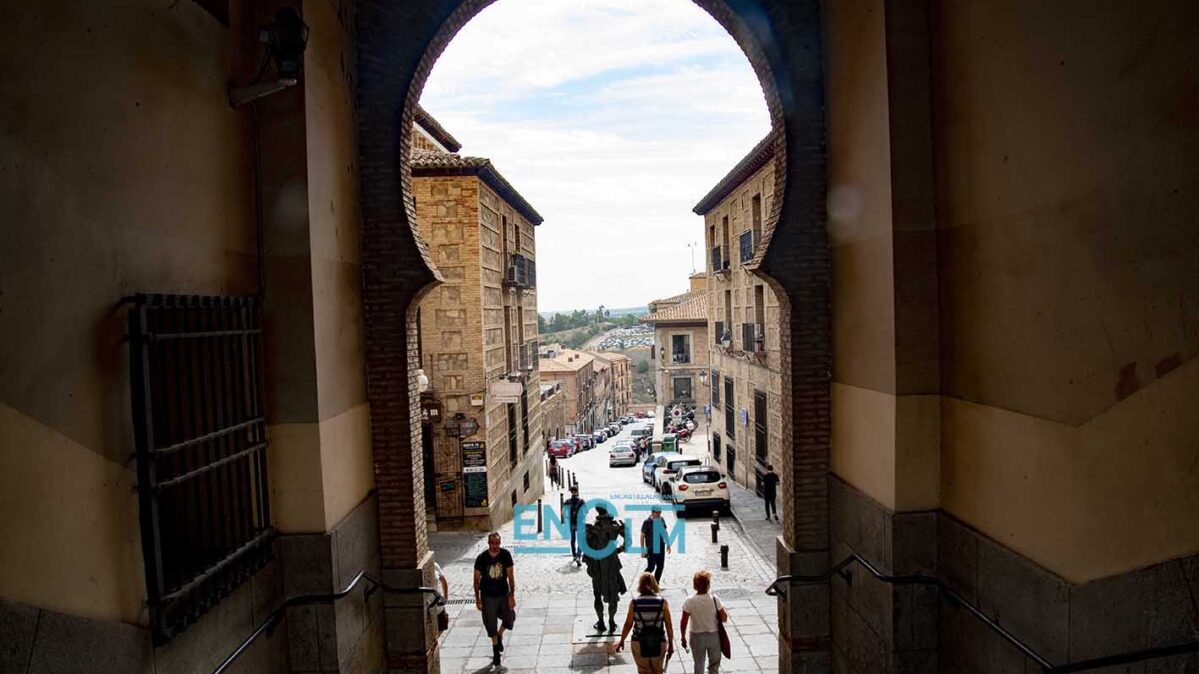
x=607 y=583
x=571 y=509
x=770 y=484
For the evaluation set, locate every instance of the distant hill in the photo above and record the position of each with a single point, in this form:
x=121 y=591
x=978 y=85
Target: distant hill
x=612 y=312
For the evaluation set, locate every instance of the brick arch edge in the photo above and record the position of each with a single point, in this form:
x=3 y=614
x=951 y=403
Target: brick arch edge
x=396 y=44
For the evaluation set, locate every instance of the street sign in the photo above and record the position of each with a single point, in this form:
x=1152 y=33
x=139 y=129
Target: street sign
x=503 y=391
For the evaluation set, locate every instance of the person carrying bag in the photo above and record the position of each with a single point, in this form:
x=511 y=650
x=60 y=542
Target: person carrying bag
x=653 y=633
x=706 y=616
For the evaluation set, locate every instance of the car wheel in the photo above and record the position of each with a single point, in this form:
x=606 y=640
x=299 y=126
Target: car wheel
x=726 y=510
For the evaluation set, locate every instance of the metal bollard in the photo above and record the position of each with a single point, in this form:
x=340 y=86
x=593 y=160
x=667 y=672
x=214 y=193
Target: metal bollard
x=538 y=515
x=715 y=526
x=724 y=556
x=561 y=501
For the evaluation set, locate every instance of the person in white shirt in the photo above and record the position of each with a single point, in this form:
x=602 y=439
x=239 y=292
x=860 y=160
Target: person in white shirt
x=703 y=612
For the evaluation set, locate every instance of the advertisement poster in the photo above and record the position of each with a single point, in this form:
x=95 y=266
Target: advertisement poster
x=474 y=474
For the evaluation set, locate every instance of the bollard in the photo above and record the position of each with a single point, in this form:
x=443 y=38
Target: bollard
x=724 y=556
x=561 y=501
x=538 y=515
x=715 y=532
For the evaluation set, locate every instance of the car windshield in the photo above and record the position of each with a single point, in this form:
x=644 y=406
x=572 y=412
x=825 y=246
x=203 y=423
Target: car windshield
x=701 y=477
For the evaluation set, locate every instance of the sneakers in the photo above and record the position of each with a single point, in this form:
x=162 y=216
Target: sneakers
x=599 y=626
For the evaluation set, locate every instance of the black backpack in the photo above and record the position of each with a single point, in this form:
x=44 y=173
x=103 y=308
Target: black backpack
x=652 y=635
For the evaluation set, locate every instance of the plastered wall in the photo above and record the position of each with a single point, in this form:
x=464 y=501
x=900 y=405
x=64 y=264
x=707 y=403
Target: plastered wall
x=1069 y=278
x=95 y=150
x=1044 y=406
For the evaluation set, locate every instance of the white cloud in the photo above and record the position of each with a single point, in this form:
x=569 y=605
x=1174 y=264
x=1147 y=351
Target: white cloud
x=615 y=163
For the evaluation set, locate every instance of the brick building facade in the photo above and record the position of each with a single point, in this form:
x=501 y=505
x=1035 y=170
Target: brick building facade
x=746 y=379
x=478 y=337
x=575 y=370
x=621 y=385
x=680 y=346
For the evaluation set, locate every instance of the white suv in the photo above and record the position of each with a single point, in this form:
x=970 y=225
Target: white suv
x=668 y=466
x=700 y=487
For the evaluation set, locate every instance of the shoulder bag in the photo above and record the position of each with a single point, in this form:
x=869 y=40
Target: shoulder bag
x=726 y=647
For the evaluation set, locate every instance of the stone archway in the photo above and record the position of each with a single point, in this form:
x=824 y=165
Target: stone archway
x=397 y=43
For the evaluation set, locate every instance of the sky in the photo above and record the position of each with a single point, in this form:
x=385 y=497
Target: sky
x=612 y=118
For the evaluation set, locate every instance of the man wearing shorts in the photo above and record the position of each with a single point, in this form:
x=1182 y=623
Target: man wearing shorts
x=495 y=593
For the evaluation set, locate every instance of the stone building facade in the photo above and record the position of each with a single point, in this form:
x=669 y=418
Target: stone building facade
x=576 y=372
x=743 y=318
x=478 y=339
x=553 y=410
x=622 y=381
x=680 y=347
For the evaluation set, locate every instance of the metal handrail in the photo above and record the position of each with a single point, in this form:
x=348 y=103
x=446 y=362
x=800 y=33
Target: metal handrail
x=273 y=619
x=775 y=589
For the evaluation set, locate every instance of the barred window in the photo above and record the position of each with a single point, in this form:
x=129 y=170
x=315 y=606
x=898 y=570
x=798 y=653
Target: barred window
x=761 y=438
x=730 y=416
x=200 y=444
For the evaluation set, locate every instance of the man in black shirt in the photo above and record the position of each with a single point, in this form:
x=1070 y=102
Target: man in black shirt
x=495 y=592
x=770 y=483
x=571 y=509
x=653 y=538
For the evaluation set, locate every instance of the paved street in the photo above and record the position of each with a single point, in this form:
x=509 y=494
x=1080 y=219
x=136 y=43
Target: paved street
x=552 y=591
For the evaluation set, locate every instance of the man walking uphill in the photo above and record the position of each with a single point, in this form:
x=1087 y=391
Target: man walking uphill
x=571 y=510
x=653 y=539
x=770 y=483
x=495 y=593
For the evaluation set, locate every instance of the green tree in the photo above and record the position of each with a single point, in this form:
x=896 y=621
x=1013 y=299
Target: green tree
x=642 y=367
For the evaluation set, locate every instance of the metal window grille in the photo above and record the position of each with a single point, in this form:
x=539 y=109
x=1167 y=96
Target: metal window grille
x=512 y=438
x=718 y=261
x=716 y=447
x=715 y=388
x=761 y=438
x=524 y=421
x=730 y=418
x=746 y=243
x=200 y=438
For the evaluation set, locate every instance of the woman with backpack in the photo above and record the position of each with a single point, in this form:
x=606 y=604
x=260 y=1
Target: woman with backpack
x=653 y=633
x=706 y=616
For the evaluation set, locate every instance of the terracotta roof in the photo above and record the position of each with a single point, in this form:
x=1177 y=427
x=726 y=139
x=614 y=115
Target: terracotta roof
x=435 y=129
x=563 y=362
x=691 y=310
x=745 y=168
x=612 y=356
x=426 y=163
x=670 y=301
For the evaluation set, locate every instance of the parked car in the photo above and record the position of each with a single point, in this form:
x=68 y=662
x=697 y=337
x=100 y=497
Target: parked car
x=600 y=435
x=561 y=449
x=614 y=429
x=666 y=469
x=651 y=465
x=700 y=488
x=641 y=430
x=585 y=441
x=622 y=454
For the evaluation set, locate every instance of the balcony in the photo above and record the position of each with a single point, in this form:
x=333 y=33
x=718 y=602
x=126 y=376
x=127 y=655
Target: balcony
x=720 y=336
x=522 y=272
x=753 y=337
x=680 y=357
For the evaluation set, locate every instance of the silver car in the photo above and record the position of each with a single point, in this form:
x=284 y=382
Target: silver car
x=622 y=454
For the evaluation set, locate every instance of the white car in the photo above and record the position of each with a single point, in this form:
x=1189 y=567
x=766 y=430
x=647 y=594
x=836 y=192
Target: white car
x=622 y=454
x=668 y=467
x=700 y=488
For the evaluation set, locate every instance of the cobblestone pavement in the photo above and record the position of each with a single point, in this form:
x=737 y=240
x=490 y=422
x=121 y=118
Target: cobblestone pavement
x=552 y=591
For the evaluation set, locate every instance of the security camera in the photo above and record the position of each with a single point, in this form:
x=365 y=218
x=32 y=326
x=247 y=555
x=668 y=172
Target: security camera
x=285 y=38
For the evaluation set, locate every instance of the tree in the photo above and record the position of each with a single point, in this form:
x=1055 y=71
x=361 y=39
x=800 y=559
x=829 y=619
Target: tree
x=541 y=323
x=642 y=367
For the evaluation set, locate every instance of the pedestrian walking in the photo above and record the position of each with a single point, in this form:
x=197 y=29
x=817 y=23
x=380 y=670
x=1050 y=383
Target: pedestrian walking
x=653 y=542
x=653 y=630
x=703 y=613
x=495 y=592
x=770 y=483
x=553 y=470
x=571 y=509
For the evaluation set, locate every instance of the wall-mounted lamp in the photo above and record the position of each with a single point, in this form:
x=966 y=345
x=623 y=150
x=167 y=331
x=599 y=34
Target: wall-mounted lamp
x=285 y=38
